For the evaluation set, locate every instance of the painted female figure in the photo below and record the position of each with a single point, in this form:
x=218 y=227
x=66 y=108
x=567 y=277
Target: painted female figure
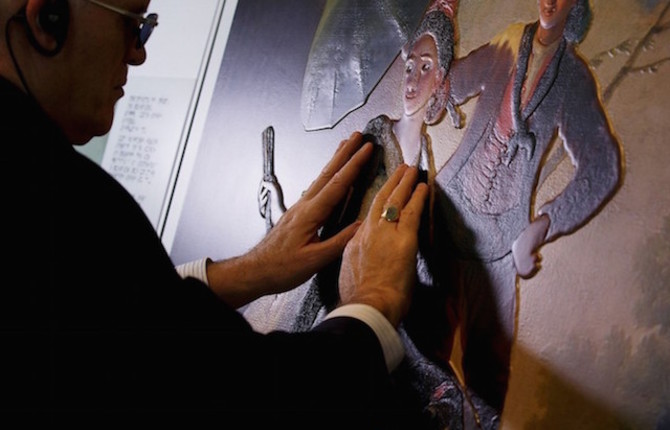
x=428 y=55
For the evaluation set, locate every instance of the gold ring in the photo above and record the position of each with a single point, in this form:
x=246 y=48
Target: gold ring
x=391 y=214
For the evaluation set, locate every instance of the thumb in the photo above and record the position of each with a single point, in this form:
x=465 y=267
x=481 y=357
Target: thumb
x=333 y=247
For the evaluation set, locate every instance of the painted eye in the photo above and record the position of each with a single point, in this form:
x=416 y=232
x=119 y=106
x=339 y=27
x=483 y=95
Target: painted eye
x=426 y=67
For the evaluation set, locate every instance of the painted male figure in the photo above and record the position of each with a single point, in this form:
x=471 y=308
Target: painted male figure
x=532 y=86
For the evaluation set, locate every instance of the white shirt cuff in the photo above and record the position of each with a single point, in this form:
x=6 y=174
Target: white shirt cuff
x=386 y=333
x=196 y=269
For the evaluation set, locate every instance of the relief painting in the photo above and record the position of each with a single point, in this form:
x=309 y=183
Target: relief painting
x=520 y=105
x=480 y=231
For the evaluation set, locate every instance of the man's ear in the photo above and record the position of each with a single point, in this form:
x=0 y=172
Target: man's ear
x=47 y=24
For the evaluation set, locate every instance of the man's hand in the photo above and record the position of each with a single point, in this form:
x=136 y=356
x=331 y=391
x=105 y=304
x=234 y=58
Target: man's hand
x=292 y=251
x=379 y=263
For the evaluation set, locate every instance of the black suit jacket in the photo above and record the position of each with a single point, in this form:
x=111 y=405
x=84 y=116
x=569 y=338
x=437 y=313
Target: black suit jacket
x=94 y=315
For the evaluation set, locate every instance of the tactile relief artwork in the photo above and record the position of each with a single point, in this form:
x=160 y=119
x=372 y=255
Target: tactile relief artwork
x=543 y=288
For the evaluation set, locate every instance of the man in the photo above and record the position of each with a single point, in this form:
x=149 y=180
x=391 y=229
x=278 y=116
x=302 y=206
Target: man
x=532 y=85
x=100 y=319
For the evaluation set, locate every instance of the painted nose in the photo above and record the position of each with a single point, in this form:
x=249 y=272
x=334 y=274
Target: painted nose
x=411 y=83
x=410 y=88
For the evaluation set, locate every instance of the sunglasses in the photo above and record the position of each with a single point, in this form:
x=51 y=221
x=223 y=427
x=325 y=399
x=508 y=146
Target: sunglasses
x=146 y=26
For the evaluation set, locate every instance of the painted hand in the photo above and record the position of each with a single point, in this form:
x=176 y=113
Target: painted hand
x=525 y=247
x=270 y=201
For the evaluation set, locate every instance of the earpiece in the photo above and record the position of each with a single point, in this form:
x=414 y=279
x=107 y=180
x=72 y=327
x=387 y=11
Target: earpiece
x=53 y=19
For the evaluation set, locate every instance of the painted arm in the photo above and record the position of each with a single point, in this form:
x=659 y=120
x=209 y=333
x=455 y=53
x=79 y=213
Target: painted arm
x=594 y=151
x=467 y=79
x=270 y=193
x=467 y=75
x=525 y=248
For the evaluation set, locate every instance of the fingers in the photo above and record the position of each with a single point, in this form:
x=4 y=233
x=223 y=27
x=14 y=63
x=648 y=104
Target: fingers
x=327 y=196
x=385 y=192
x=410 y=216
x=345 y=151
x=402 y=192
x=333 y=247
x=399 y=191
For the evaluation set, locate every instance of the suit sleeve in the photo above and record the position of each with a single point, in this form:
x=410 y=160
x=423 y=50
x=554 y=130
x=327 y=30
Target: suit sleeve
x=216 y=361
